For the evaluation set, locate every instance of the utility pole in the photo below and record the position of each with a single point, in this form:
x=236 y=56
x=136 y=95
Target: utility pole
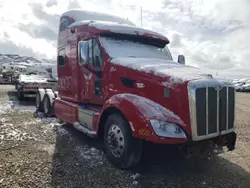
x=141 y=16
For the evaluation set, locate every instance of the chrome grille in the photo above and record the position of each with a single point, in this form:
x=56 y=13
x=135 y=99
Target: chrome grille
x=212 y=108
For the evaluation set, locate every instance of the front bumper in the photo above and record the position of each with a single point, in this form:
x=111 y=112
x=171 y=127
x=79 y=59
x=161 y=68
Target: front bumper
x=213 y=145
x=190 y=148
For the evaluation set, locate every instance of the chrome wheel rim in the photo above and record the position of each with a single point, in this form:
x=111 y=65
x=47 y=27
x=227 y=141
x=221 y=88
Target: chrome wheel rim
x=116 y=140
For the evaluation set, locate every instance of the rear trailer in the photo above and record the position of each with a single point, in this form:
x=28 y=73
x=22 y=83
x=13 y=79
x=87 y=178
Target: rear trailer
x=27 y=85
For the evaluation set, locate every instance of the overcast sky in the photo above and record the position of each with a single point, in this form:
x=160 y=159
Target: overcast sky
x=212 y=34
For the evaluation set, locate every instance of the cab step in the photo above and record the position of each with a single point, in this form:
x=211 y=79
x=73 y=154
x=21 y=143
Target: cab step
x=85 y=122
x=84 y=129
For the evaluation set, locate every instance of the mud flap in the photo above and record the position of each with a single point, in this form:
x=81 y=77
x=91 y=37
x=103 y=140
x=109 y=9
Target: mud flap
x=231 y=140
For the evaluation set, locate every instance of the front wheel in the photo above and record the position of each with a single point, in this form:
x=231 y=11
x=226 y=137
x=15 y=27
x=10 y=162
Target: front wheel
x=123 y=150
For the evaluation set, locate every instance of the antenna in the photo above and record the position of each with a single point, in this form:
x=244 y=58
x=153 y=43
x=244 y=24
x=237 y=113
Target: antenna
x=141 y=16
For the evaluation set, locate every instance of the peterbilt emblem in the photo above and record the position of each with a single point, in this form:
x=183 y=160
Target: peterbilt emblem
x=88 y=77
x=218 y=87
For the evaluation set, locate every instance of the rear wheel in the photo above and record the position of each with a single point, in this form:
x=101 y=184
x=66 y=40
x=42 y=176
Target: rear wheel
x=47 y=107
x=39 y=105
x=20 y=95
x=123 y=150
x=16 y=85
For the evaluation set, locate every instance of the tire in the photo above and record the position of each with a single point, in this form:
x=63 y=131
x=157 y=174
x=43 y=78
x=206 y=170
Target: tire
x=116 y=127
x=16 y=85
x=20 y=96
x=39 y=105
x=47 y=107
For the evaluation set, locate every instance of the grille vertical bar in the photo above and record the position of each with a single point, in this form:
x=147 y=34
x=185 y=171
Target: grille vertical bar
x=212 y=109
x=227 y=110
x=223 y=108
x=207 y=110
x=218 y=111
x=201 y=110
x=231 y=107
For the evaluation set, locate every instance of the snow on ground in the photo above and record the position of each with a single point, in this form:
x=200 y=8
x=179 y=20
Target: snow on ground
x=23 y=132
x=5 y=105
x=9 y=132
x=92 y=155
x=17 y=106
x=12 y=103
x=11 y=108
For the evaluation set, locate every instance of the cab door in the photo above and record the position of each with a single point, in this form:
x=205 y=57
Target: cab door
x=90 y=63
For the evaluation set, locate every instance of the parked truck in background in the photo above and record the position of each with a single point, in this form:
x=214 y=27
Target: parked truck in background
x=27 y=84
x=9 y=72
x=119 y=83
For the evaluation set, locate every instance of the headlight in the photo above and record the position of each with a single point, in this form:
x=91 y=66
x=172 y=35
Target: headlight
x=166 y=129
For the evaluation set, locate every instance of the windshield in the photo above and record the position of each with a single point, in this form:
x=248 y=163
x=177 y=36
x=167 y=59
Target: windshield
x=119 y=47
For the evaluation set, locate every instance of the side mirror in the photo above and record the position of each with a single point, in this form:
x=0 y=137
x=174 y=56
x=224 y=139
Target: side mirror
x=181 y=59
x=83 y=52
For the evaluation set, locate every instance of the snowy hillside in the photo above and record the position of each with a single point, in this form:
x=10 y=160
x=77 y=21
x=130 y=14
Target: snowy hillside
x=25 y=60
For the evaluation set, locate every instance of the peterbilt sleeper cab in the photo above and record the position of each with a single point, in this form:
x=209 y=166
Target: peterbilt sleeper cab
x=119 y=83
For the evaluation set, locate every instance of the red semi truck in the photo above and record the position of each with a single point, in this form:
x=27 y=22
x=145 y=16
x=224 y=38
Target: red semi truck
x=119 y=83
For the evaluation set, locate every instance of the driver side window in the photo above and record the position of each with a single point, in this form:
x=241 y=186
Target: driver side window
x=90 y=53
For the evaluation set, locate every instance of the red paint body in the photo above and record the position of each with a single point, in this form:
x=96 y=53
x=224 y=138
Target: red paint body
x=72 y=82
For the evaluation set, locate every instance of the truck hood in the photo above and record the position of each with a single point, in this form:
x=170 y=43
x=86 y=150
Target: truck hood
x=177 y=73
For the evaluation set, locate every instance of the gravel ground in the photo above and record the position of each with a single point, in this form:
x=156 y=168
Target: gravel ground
x=39 y=152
